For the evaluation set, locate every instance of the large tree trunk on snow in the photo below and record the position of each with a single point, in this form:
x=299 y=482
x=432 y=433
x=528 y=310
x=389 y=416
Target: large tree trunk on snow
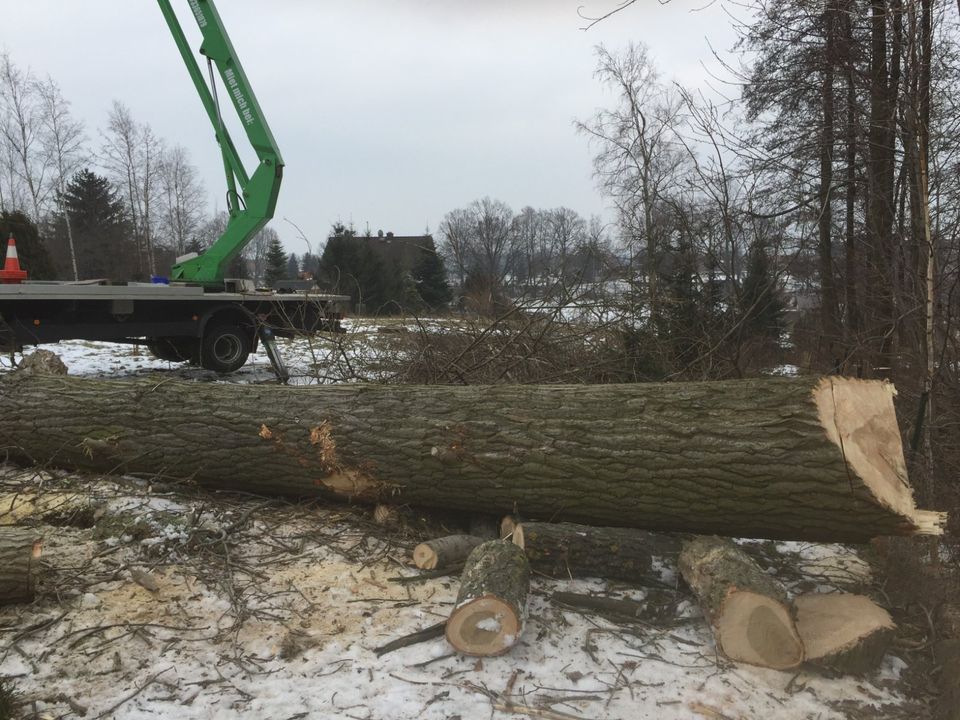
x=19 y=560
x=803 y=458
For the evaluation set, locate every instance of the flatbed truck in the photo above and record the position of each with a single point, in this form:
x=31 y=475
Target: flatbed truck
x=196 y=314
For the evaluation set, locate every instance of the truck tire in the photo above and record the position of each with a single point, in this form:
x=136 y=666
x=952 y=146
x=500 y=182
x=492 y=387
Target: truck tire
x=173 y=349
x=225 y=348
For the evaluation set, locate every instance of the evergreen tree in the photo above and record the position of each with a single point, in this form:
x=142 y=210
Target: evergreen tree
x=293 y=267
x=430 y=275
x=276 y=262
x=31 y=248
x=101 y=231
x=760 y=302
x=348 y=266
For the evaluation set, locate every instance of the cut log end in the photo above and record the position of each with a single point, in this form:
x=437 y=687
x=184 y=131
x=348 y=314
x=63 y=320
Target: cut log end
x=843 y=632
x=424 y=557
x=484 y=627
x=859 y=418
x=758 y=630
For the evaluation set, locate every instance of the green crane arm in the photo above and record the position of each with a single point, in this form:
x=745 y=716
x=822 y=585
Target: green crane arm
x=251 y=199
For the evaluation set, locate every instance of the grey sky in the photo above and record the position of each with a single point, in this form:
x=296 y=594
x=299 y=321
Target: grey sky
x=387 y=112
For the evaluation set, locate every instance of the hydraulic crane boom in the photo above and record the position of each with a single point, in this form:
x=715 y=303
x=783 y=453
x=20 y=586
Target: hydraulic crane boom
x=251 y=199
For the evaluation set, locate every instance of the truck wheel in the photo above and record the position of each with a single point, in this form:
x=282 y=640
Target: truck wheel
x=225 y=348
x=173 y=349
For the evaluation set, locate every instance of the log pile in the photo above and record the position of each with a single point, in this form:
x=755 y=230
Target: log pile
x=802 y=458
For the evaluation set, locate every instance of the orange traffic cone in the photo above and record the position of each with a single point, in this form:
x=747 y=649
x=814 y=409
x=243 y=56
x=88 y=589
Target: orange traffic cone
x=11 y=273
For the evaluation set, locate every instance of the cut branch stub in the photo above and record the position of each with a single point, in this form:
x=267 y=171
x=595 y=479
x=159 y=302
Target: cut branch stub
x=748 y=610
x=492 y=603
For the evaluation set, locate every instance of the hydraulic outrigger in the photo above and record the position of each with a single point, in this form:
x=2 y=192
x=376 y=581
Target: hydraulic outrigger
x=251 y=199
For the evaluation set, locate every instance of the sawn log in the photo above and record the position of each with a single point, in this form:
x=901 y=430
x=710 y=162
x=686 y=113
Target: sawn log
x=802 y=458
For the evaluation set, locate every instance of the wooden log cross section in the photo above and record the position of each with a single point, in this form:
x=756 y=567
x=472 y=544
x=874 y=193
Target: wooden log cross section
x=801 y=458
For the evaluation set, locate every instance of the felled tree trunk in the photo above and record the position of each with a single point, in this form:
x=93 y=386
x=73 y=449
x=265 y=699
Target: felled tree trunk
x=751 y=618
x=842 y=632
x=444 y=552
x=567 y=550
x=802 y=458
x=491 y=606
x=19 y=560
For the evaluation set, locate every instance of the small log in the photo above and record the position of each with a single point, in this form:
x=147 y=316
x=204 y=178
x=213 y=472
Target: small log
x=604 y=605
x=748 y=610
x=843 y=632
x=445 y=552
x=19 y=560
x=566 y=550
x=492 y=603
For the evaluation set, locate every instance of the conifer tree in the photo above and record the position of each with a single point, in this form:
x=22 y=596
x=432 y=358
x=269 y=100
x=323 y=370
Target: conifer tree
x=276 y=262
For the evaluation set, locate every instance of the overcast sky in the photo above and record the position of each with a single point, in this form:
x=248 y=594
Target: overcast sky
x=388 y=112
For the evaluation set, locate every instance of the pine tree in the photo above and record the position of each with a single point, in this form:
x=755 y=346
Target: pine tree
x=348 y=266
x=102 y=233
x=276 y=262
x=431 y=278
x=293 y=267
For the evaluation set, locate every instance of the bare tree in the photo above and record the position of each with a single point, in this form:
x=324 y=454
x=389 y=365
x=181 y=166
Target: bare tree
x=638 y=156
x=183 y=198
x=21 y=130
x=132 y=154
x=63 y=139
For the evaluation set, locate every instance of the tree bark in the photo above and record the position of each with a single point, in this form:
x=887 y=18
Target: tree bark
x=842 y=632
x=947 y=654
x=444 y=552
x=803 y=458
x=492 y=603
x=566 y=550
x=19 y=559
x=748 y=610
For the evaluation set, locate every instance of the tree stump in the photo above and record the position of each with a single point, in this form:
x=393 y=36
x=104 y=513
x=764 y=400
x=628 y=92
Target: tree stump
x=20 y=551
x=492 y=603
x=748 y=610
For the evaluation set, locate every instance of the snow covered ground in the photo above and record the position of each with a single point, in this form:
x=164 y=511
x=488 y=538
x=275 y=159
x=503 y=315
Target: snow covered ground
x=163 y=602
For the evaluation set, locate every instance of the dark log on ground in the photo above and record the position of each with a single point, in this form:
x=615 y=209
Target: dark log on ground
x=604 y=605
x=802 y=458
x=751 y=618
x=445 y=552
x=491 y=606
x=567 y=550
x=842 y=632
x=19 y=561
